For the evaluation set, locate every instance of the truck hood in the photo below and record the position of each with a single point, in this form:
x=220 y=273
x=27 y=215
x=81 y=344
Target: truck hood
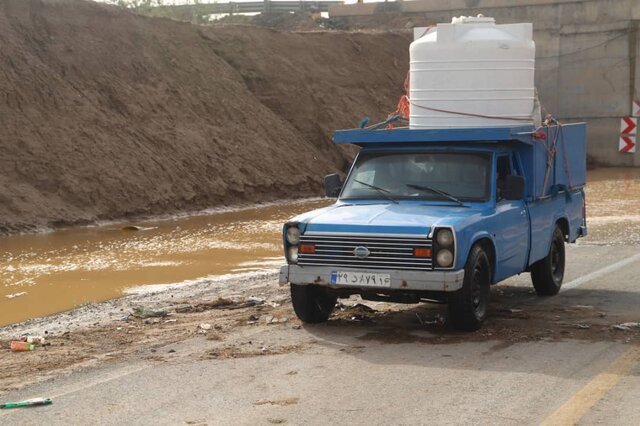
x=403 y=218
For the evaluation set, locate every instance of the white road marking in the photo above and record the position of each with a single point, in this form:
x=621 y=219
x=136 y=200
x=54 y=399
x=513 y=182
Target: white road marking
x=113 y=375
x=599 y=273
x=77 y=387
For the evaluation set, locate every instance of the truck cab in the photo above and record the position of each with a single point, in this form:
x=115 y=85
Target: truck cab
x=440 y=215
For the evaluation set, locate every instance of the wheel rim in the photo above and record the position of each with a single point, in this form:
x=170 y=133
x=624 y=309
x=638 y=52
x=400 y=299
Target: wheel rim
x=557 y=267
x=477 y=287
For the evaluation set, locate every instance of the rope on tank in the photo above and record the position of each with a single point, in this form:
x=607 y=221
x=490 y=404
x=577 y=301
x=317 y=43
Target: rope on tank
x=470 y=114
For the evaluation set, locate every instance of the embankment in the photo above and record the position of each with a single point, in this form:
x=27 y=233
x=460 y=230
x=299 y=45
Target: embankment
x=107 y=115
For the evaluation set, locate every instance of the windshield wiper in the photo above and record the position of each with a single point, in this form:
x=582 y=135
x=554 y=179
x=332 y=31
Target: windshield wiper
x=436 y=191
x=384 y=192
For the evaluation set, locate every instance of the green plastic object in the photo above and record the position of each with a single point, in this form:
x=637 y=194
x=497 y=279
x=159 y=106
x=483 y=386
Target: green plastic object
x=27 y=403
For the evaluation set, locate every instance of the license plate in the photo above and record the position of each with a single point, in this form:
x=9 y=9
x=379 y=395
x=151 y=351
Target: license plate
x=357 y=279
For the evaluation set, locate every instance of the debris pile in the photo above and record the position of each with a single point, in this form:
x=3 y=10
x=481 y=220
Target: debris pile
x=27 y=343
x=627 y=326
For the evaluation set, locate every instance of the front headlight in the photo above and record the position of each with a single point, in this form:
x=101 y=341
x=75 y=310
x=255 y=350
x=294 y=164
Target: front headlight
x=292 y=254
x=444 y=258
x=293 y=235
x=445 y=238
x=444 y=248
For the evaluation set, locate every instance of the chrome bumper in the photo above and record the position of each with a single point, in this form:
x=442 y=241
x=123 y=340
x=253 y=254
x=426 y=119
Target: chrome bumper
x=400 y=280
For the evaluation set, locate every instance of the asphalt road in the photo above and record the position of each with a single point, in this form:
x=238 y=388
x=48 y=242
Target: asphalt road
x=388 y=371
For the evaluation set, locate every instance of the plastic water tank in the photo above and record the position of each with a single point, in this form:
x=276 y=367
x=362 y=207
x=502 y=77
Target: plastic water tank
x=472 y=73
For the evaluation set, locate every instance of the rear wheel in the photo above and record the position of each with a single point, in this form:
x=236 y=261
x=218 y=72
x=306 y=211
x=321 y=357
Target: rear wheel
x=312 y=303
x=547 y=274
x=468 y=306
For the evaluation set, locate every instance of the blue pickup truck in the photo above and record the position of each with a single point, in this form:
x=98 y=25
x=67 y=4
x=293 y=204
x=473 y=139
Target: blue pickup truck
x=440 y=215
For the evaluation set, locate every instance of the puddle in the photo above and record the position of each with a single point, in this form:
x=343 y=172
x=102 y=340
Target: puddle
x=47 y=273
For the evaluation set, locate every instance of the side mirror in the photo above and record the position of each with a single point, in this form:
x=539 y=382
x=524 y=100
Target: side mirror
x=513 y=188
x=332 y=185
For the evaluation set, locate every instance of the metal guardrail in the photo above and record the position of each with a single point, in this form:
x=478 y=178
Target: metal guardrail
x=265 y=6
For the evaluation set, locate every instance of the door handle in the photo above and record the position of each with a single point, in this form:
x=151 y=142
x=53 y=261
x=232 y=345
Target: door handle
x=523 y=212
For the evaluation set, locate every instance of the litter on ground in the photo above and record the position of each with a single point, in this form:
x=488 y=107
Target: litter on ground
x=142 y=312
x=27 y=403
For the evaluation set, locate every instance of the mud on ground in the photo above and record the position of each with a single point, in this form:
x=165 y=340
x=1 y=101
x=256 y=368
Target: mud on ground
x=142 y=326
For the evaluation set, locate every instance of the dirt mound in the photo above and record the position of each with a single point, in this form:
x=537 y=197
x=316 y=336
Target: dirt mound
x=299 y=21
x=318 y=81
x=305 y=21
x=106 y=114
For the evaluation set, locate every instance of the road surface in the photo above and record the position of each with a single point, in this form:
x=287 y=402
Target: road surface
x=553 y=361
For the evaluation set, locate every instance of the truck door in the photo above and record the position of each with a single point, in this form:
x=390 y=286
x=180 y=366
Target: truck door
x=512 y=233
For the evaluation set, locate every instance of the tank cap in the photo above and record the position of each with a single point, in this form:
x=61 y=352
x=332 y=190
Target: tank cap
x=480 y=19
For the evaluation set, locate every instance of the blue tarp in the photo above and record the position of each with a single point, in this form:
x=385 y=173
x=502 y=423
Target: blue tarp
x=405 y=135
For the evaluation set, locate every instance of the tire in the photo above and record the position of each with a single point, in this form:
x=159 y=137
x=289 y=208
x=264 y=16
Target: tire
x=468 y=306
x=312 y=304
x=547 y=274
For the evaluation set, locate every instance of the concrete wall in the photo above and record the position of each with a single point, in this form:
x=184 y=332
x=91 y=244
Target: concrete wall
x=588 y=58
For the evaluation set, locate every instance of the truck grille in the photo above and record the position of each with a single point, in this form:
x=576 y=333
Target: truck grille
x=385 y=252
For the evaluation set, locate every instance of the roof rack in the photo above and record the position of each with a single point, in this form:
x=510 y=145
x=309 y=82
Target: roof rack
x=405 y=135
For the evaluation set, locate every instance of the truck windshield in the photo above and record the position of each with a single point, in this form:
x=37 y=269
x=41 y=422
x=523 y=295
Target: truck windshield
x=451 y=177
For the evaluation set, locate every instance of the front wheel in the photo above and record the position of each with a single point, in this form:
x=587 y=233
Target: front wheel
x=468 y=306
x=547 y=274
x=312 y=303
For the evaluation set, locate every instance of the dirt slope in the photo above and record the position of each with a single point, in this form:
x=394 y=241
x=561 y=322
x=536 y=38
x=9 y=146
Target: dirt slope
x=106 y=114
x=319 y=81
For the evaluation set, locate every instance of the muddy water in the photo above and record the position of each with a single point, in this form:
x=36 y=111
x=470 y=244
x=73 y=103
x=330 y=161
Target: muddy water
x=47 y=273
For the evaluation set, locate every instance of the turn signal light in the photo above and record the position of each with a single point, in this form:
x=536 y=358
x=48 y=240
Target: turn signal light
x=422 y=252
x=307 y=249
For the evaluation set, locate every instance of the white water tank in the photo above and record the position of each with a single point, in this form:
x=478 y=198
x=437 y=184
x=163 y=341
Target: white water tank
x=472 y=73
